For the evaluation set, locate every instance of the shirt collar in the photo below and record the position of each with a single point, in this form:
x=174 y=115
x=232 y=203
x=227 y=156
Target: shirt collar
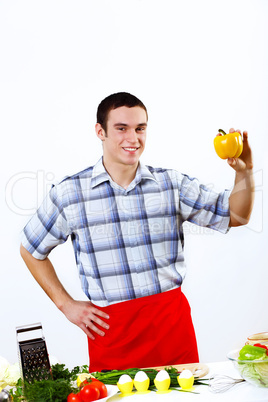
x=143 y=173
x=100 y=175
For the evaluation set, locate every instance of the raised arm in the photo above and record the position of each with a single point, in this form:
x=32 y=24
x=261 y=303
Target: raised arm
x=242 y=196
x=81 y=313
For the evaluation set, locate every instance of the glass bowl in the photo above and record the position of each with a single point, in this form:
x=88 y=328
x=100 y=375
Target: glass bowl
x=253 y=371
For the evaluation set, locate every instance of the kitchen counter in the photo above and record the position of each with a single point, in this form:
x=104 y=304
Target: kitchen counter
x=242 y=392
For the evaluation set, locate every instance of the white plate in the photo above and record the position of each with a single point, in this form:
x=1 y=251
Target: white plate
x=111 y=391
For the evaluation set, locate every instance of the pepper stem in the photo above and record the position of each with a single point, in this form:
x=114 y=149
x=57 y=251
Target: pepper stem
x=221 y=131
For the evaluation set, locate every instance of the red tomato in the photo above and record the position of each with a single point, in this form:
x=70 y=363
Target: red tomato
x=101 y=387
x=73 y=398
x=89 y=393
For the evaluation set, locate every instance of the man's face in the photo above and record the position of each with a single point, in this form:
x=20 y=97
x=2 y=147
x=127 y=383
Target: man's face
x=124 y=140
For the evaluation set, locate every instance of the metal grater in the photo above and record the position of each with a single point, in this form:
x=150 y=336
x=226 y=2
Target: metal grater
x=33 y=356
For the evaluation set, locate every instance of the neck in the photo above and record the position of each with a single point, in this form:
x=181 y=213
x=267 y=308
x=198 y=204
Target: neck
x=121 y=174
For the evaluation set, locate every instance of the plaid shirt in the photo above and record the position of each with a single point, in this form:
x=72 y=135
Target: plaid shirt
x=128 y=243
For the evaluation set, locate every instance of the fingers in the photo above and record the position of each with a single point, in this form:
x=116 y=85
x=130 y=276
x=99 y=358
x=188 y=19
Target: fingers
x=87 y=332
x=87 y=317
x=232 y=162
x=89 y=327
x=245 y=133
x=100 y=313
x=232 y=130
x=91 y=322
x=245 y=136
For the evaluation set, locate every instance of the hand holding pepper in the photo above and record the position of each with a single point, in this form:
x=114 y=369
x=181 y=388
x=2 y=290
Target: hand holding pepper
x=228 y=145
x=242 y=196
x=235 y=149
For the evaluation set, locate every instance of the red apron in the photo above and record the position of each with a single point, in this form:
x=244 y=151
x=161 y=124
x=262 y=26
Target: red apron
x=146 y=332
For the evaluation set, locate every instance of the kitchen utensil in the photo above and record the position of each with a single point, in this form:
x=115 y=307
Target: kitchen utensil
x=33 y=356
x=221 y=383
x=199 y=370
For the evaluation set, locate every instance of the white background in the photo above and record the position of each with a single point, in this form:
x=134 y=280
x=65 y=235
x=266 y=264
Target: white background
x=198 y=66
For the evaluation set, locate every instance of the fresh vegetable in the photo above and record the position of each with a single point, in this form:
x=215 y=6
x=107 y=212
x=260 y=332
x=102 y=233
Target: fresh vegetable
x=101 y=387
x=251 y=352
x=56 y=390
x=228 y=145
x=89 y=393
x=253 y=364
x=9 y=373
x=256 y=373
x=260 y=345
x=73 y=398
x=83 y=378
x=47 y=391
x=94 y=383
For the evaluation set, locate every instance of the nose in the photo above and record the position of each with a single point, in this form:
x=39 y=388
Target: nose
x=132 y=136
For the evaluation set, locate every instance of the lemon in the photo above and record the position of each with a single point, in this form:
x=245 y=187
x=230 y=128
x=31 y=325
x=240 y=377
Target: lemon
x=82 y=377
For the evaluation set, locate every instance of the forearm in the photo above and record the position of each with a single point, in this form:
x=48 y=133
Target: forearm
x=242 y=198
x=81 y=313
x=44 y=273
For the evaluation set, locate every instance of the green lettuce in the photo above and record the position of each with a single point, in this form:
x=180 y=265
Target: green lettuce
x=256 y=373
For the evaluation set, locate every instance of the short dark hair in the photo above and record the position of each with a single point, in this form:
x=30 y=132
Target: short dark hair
x=115 y=101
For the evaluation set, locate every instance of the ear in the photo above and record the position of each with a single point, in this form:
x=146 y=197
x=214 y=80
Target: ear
x=100 y=131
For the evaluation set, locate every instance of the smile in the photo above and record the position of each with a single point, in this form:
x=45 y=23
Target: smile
x=129 y=149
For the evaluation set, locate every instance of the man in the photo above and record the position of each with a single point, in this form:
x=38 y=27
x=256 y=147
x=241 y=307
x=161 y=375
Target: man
x=125 y=221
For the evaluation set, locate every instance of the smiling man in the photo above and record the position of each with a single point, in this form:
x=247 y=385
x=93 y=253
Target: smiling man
x=125 y=222
x=123 y=141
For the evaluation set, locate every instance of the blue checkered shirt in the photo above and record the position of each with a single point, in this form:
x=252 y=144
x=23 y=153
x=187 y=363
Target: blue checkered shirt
x=128 y=243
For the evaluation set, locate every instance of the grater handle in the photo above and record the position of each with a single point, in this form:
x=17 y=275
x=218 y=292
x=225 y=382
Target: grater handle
x=30 y=327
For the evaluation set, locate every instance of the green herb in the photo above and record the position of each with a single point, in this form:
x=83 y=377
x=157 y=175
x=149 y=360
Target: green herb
x=52 y=390
x=47 y=391
x=60 y=372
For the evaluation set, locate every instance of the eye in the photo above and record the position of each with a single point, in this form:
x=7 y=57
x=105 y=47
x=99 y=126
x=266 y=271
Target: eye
x=140 y=129
x=121 y=128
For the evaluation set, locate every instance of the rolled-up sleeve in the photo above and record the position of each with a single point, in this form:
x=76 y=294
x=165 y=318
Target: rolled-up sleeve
x=47 y=228
x=203 y=206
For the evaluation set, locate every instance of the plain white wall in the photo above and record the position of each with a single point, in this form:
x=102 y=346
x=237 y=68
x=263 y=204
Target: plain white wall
x=198 y=66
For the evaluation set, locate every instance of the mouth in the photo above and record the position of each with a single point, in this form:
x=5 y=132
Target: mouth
x=130 y=149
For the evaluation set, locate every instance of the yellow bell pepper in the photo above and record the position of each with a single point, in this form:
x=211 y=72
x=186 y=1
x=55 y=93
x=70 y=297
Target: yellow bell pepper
x=228 y=145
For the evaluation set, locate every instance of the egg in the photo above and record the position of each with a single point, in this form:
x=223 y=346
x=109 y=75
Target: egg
x=124 y=379
x=162 y=381
x=141 y=382
x=162 y=375
x=125 y=384
x=186 y=379
x=140 y=376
